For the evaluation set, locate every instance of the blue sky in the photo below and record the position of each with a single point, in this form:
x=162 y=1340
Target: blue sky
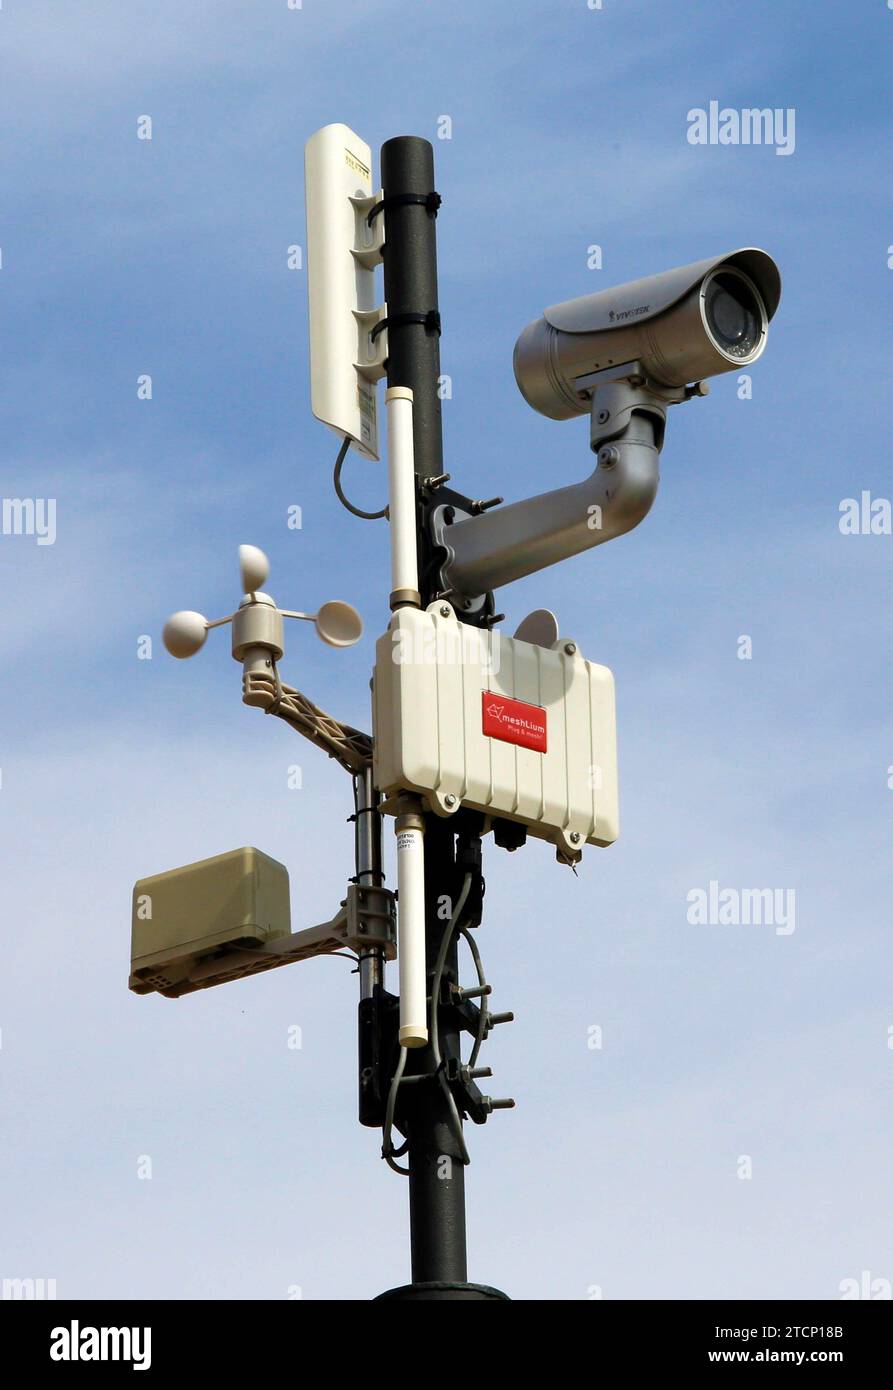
x=619 y=1168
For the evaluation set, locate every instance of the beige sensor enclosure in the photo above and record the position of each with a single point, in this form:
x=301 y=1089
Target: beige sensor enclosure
x=229 y=902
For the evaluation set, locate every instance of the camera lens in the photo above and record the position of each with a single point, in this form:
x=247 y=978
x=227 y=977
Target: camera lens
x=734 y=313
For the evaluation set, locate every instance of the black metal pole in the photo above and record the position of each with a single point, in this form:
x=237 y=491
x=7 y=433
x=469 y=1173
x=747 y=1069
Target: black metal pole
x=410 y=287
x=436 y=1201
x=436 y=1167
x=436 y=1170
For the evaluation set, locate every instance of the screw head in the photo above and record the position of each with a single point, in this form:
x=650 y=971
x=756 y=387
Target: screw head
x=570 y=648
x=575 y=837
x=449 y=800
x=444 y=610
x=609 y=456
x=603 y=416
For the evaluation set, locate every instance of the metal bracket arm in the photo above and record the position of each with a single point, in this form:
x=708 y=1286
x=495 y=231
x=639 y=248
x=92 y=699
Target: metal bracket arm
x=367 y=919
x=628 y=415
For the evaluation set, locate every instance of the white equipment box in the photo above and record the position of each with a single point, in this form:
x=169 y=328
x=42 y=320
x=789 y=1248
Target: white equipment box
x=343 y=249
x=467 y=717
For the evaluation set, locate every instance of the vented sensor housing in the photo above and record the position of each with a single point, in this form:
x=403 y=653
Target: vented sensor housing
x=218 y=905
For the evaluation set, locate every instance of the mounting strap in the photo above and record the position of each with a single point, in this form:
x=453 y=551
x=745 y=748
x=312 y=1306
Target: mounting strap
x=429 y=201
x=431 y=322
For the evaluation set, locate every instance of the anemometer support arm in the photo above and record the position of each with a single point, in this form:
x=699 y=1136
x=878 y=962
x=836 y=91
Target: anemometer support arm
x=628 y=416
x=257 y=643
x=348 y=746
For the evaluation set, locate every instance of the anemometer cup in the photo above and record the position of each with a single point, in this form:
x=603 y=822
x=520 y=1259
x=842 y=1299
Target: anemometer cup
x=339 y=624
x=185 y=633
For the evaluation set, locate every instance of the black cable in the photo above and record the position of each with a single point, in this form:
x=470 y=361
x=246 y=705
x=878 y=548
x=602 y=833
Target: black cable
x=357 y=511
x=434 y=1029
x=482 y=1011
x=388 y=1151
x=387 y=1148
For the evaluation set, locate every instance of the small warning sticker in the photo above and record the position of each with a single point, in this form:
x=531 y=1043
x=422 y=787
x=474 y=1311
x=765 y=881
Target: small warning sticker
x=513 y=721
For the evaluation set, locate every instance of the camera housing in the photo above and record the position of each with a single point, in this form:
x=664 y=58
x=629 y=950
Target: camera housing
x=678 y=327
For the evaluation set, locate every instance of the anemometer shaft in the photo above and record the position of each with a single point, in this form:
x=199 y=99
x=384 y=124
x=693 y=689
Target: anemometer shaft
x=411 y=930
x=402 y=499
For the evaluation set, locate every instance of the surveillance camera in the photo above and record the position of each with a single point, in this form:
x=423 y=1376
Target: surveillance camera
x=623 y=357
x=692 y=322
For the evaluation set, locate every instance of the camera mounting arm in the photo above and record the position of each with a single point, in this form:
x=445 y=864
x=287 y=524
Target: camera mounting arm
x=628 y=419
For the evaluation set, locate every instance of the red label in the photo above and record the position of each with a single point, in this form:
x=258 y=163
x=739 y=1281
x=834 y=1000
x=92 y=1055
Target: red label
x=513 y=721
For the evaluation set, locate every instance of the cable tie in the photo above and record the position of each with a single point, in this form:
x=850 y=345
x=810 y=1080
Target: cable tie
x=429 y=201
x=430 y=321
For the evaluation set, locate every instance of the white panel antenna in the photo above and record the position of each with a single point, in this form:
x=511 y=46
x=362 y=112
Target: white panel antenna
x=348 y=347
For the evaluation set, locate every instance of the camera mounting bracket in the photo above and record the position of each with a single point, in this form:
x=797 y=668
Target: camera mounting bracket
x=617 y=392
x=628 y=419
